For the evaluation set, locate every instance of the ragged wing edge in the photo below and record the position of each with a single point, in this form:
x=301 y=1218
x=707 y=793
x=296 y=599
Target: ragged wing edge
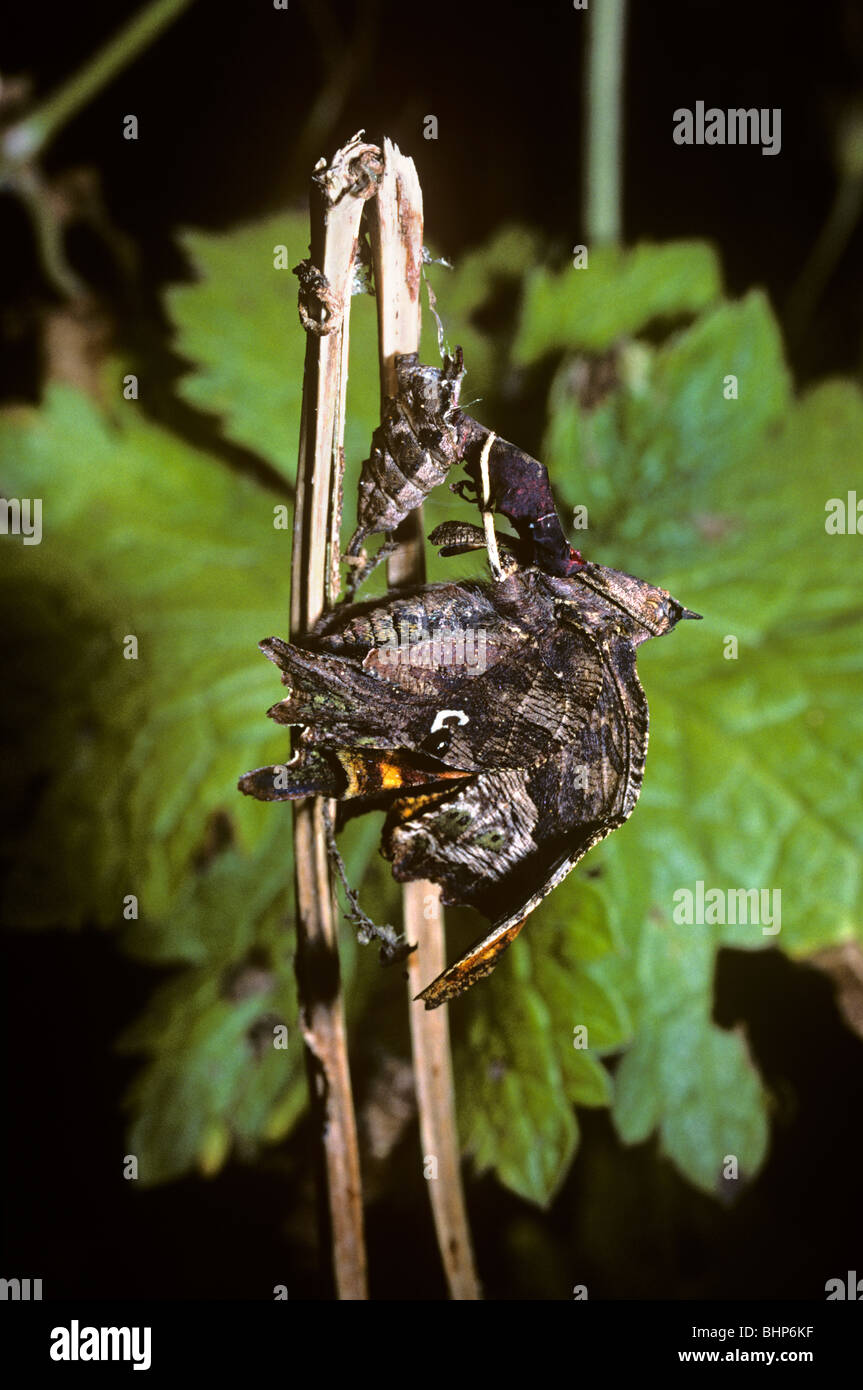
x=483 y=955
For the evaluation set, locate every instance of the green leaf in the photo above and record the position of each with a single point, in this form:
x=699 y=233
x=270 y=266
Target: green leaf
x=144 y=538
x=617 y=294
x=755 y=776
x=653 y=458
x=217 y=1073
x=696 y=1084
x=215 y=1076
x=136 y=760
x=481 y=288
x=238 y=324
x=520 y=1063
x=514 y=1114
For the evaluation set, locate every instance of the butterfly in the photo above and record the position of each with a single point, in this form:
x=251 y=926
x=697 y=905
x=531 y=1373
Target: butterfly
x=501 y=724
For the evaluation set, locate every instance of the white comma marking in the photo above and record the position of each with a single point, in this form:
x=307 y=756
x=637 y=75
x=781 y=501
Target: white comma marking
x=443 y=715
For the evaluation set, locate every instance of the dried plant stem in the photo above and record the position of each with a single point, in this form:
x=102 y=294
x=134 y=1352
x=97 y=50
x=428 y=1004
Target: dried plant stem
x=397 y=236
x=337 y=196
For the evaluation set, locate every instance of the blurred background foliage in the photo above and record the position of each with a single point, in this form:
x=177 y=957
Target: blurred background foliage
x=159 y=522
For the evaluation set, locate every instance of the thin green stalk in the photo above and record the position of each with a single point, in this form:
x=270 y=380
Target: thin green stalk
x=825 y=255
x=30 y=136
x=603 y=154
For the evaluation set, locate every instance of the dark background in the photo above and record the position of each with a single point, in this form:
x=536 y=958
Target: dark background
x=225 y=102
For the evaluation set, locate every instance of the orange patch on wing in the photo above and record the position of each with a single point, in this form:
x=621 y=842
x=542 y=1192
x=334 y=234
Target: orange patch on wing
x=392 y=775
x=372 y=772
x=480 y=960
x=407 y=806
